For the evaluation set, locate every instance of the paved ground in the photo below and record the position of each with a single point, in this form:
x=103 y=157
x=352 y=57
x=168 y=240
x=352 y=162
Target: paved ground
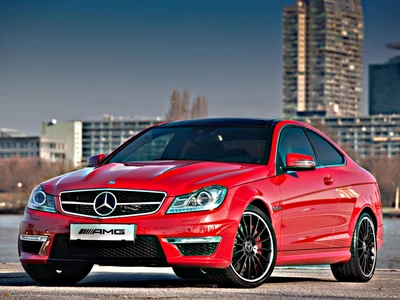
x=161 y=283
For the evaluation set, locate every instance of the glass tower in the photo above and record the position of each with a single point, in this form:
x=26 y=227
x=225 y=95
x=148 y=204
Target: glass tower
x=384 y=86
x=322 y=58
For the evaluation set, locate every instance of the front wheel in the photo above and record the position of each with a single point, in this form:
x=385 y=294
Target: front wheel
x=67 y=274
x=361 y=266
x=254 y=253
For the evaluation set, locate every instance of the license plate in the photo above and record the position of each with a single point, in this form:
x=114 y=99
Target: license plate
x=102 y=232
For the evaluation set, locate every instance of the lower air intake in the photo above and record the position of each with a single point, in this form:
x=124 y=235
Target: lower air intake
x=144 y=249
x=197 y=249
x=31 y=246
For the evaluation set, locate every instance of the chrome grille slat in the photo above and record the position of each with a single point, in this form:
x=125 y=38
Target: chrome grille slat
x=129 y=202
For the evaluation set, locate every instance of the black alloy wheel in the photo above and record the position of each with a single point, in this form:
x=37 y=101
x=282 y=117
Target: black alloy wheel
x=366 y=246
x=361 y=266
x=254 y=252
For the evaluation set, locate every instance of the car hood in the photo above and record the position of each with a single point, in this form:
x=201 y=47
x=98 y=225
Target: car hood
x=172 y=177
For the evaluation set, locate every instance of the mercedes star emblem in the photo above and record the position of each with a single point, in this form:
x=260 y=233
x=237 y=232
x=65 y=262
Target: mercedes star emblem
x=105 y=203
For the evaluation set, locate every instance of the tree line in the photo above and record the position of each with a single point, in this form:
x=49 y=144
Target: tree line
x=18 y=176
x=23 y=174
x=180 y=109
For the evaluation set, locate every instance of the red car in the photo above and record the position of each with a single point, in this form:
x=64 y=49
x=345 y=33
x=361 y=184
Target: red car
x=228 y=199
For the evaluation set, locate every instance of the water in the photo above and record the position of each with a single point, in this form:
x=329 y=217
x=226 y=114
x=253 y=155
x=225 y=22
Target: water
x=9 y=225
x=388 y=255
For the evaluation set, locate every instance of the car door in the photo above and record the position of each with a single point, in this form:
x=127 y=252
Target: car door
x=341 y=177
x=309 y=200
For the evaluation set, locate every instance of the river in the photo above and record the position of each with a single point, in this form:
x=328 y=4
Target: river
x=388 y=255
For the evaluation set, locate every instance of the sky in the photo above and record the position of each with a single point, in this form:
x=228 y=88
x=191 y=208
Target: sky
x=80 y=59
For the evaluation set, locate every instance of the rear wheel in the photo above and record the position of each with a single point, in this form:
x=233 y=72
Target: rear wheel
x=67 y=274
x=189 y=273
x=254 y=253
x=361 y=266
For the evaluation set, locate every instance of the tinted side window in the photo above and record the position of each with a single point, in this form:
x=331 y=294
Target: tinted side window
x=326 y=153
x=293 y=140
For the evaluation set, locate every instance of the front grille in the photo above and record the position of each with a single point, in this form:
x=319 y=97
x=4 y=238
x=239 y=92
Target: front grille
x=129 y=203
x=31 y=246
x=145 y=247
x=197 y=249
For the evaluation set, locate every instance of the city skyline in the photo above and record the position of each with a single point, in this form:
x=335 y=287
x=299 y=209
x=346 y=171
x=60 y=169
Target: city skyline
x=69 y=60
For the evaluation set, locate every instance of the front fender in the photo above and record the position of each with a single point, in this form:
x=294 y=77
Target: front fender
x=263 y=194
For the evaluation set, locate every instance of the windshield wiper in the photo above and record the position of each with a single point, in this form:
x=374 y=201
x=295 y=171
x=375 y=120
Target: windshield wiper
x=172 y=159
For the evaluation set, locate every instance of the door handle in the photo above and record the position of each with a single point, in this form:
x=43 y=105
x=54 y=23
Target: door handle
x=328 y=180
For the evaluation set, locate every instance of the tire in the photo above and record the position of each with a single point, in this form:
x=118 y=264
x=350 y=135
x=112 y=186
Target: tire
x=189 y=273
x=68 y=274
x=253 y=255
x=361 y=266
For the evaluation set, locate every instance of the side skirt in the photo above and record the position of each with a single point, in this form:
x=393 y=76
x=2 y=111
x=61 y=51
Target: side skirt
x=313 y=257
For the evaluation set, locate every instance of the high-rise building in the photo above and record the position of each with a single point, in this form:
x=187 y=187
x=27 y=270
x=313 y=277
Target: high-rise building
x=322 y=58
x=89 y=137
x=20 y=145
x=384 y=86
x=104 y=135
x=9 y=132
x=71 y=134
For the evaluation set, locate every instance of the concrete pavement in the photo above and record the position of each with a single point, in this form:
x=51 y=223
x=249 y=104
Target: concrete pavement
x=161 y=283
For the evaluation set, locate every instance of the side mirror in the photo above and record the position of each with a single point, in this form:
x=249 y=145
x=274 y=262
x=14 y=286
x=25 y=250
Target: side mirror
x=94 y=160
x=299 y=162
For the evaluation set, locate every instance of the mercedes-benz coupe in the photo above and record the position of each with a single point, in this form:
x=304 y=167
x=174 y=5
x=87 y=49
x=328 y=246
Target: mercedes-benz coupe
x=226 y=198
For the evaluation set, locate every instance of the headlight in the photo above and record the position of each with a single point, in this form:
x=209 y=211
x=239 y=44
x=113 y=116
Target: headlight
x=39 y=200
x=207 y=198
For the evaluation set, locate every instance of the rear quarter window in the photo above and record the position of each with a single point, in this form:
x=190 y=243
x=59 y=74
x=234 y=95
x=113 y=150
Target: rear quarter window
x=326 y=153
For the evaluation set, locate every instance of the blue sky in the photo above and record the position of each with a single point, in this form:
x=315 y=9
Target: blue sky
x=82 y=59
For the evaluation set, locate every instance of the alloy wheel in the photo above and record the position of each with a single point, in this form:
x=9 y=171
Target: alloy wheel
x=254 y=248
x=366 y=247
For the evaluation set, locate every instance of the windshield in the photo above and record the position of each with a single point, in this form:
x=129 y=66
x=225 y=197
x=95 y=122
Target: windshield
x=205 y=143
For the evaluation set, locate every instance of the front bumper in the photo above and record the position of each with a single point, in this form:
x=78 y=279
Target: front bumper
x=203 y=239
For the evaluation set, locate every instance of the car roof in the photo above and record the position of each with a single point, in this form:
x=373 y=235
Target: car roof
x=240 y=122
